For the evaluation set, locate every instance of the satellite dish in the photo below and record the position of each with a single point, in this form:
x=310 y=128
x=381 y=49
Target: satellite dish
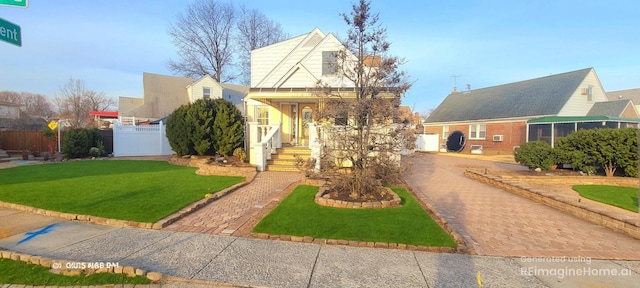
x=456 y=141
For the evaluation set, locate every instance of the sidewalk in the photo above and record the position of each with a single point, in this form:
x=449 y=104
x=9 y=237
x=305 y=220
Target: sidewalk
x=264 y=263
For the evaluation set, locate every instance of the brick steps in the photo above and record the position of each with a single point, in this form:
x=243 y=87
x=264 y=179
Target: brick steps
x=285 y=159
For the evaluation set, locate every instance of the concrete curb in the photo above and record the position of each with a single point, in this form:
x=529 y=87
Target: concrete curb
x=601 y=217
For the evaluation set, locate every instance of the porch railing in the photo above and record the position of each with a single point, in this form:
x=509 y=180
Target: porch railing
x=264 y=139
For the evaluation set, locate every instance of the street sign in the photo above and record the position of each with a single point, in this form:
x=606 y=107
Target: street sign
x=10 y=32
x=53 y=125
x=15 y=3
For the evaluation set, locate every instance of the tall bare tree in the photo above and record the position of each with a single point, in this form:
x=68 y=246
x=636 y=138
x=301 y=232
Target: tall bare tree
x=203 y=36
x=32 y=104
x=364 y=127
x=74 y=102
x=255 y=30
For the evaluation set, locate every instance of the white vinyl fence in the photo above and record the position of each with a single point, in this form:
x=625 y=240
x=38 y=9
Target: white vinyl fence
x=130 y=140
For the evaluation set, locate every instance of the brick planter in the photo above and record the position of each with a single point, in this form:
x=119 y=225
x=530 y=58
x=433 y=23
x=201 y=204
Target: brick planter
x=320 y=200
x=204 y=168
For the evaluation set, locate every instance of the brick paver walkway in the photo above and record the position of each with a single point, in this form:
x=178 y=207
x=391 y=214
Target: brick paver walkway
x=499 y=223
x=230 y=212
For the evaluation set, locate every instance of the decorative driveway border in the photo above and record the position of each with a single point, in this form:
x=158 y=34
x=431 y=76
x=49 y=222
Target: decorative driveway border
x=611 y=220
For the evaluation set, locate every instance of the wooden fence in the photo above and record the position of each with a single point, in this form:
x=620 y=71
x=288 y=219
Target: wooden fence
x=33 y=141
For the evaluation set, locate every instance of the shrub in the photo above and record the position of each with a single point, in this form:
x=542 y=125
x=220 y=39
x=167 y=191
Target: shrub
x=537 y=154
x=605 y=147
x=240 y=154
x=74 y=144
x=205 y=127
x=77 y=143
x=94 y=152
x=178 y=131
x=228 y=127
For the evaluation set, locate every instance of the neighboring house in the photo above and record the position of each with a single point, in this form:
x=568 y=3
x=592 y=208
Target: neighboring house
x=9 y=114
x=283 y=100
x=163 y=94
x=631 y=94
x=498 y=119
x=9 y=110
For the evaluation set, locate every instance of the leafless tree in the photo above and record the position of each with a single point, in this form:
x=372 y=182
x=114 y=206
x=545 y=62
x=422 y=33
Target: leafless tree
x=255 y=30
x=32 y=104
x=74 y=102
x=203 y=36
x=363 y=127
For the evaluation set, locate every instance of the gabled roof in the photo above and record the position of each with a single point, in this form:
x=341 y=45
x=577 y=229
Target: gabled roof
x=633 y=94
x=194 y=83
x=301 y=42
x=609 y=108
x=535 y=97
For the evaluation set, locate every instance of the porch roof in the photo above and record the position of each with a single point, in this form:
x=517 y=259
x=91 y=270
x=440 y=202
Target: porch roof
x=566 y=119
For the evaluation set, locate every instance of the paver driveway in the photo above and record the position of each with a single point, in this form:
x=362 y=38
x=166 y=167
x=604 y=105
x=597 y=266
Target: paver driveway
x=230 y=212
x=499 y=223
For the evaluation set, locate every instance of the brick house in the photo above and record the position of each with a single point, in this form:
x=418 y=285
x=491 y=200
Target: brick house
x=496 y=120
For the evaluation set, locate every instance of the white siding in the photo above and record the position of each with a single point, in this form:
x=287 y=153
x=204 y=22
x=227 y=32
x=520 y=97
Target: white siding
x=195 y=90
x=275 y=66
x=578 y=104
x=265 y=59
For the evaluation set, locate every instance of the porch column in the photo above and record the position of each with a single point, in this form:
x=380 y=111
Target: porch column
x=253 y=139
x=314 y=145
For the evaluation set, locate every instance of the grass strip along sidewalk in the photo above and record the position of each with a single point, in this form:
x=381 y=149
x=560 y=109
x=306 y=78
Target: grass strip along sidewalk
x=18 y=272
x=299 y=215
x=142 y=191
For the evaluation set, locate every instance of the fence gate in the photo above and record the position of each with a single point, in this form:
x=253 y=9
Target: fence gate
x=130 y=140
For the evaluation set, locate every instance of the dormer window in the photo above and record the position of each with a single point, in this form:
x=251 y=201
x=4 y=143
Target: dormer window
x=329 y=63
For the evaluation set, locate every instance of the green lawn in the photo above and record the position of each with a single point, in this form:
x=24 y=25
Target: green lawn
x=18 y=272
x=623 y=197
x=143 y=191
x=298 y=215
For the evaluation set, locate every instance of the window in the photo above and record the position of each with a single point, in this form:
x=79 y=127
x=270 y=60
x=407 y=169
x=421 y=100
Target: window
x=445 y=131
x=329 y=63
x=477 y=131
x=341 y=118
x=262 y=115
x=206 y=92
x=590 y=93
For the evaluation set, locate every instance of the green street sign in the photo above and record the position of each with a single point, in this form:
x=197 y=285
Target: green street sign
x=10 y=32
x=15 y=3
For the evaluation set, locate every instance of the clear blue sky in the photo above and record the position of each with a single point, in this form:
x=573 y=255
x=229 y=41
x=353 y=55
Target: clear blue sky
x=109 y=43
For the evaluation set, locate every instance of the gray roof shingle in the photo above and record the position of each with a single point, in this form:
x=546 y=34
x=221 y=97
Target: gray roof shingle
x=609 y=108
x=540 y=96
x=633 y=94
